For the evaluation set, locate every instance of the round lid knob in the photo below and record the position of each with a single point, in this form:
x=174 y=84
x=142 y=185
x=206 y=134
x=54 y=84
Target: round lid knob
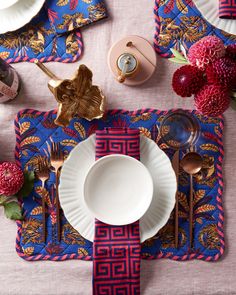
x=128 y=62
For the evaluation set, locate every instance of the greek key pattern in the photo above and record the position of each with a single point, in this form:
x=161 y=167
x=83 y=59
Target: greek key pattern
x=116 y=249
x=117 y=141
x=227 y=9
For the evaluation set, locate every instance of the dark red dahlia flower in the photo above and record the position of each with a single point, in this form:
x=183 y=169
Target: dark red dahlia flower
x=212 y=100
x=187 y=80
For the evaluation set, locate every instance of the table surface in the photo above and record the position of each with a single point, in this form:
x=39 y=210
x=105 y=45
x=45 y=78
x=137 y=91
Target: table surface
x=74 y=277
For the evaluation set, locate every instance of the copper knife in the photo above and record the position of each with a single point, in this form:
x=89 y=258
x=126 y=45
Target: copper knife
x=175 y=165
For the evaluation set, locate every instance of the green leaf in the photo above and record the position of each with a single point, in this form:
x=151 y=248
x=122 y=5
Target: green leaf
x=3 y=199
x=177 y=54
x=184 y=51
x=7 y=199
x=28 y=184
x=13 y=211
x=178 y=61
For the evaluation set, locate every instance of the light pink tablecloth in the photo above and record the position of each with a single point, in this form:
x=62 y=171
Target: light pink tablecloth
x=74 y=277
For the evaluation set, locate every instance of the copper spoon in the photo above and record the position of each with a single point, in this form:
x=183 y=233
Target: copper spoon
x=191 y=163
x=131 y=44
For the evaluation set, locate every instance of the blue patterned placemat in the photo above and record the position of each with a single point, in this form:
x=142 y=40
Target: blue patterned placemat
x=180 y=22
x=53 y=34
x=34 y=130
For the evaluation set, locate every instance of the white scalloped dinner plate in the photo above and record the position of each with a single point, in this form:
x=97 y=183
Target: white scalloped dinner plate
x=74 y=172
x=210 y=11
x=17 y=15
x=5 y=4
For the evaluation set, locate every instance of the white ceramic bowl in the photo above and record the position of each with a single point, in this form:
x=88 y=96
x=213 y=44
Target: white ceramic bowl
x=7 y=3
x=14 y=14
x=76 y=168
x=118 y=189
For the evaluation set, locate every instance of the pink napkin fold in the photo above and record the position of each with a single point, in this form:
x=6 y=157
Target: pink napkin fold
x=227 y=9
x=116 y=249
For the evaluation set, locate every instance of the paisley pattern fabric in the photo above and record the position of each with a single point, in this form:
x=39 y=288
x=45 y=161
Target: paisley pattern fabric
x=35 y=131
x=53 y=34
x=180 y=22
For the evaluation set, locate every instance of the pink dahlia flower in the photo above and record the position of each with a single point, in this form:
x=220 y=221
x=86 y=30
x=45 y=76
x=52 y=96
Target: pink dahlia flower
x=206 y=51
x=11 y=179
x=212 y=100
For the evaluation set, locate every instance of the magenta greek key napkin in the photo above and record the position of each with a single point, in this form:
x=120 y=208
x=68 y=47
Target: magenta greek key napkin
x=227 y=9
x=116 y=249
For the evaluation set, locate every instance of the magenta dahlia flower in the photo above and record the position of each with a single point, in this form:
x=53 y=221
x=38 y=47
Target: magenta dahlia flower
x=206 y=51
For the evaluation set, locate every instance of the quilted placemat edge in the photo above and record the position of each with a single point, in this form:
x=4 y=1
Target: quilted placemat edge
x=167 y=53
x=198 y=256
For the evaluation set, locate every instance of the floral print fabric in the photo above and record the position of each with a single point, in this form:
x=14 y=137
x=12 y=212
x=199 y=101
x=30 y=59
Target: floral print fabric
x=179 y=22
x=53 y=34
x=35 y=130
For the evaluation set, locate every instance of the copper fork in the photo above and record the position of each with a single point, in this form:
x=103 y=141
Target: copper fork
x=42 y=173
x=57 y=160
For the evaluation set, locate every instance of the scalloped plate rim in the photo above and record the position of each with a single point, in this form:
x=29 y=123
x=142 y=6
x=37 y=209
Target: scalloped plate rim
x=24 y=18
x=205 y=7
x=65 y=193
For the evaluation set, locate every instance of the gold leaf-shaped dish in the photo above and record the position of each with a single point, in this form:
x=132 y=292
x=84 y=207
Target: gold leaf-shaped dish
x=76 y=96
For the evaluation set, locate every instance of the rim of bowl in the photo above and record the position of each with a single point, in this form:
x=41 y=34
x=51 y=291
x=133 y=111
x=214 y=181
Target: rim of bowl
x=130 y=159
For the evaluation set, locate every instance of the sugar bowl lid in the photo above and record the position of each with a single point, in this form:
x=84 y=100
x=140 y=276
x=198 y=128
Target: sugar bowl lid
x=141 y=59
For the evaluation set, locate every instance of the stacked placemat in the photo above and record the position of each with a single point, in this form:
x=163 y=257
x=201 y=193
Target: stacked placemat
x=179 y=22
x=54 y=33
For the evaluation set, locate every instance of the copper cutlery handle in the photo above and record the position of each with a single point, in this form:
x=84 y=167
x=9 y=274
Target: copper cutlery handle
x=58 y=206
x=43 y=212
x=175 y=164
x=176 y=221
x=42 y=173
x=191 y=212
x=191 y=164
x=44 y=218
x=57 y=159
